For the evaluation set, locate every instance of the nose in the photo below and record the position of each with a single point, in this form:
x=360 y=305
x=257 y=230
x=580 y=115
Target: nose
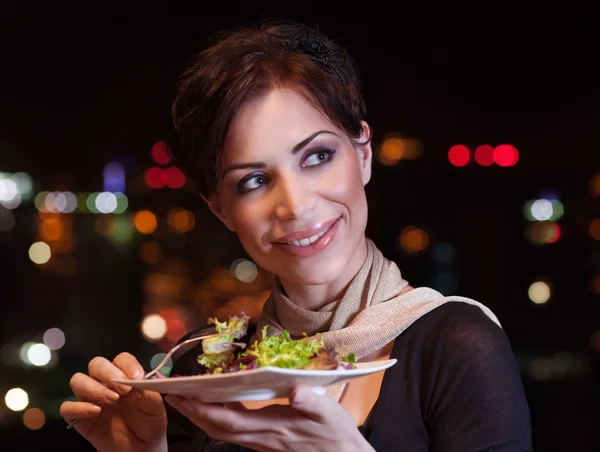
x=294 y=198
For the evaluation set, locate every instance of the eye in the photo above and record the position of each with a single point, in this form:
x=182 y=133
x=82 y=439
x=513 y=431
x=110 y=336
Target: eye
x=319 y=157
x=251 y=182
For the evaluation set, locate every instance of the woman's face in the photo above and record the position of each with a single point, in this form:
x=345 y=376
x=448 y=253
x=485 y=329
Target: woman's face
x=293 y=188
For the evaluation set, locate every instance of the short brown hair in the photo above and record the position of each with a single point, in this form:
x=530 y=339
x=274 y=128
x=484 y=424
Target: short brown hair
x=242 y=64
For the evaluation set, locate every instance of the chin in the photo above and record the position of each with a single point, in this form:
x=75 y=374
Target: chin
x=315 y=273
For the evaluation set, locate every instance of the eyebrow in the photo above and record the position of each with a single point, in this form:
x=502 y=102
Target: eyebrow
x=297 y=147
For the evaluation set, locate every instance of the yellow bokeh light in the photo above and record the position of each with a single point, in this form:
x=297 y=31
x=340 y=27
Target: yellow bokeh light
x=413 y=239
x=181 y=220
x=395 y=148
x=145 y=222
x=391 y=151
x=51 y=228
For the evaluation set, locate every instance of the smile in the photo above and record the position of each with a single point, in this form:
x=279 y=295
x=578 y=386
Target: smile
x=308 y=242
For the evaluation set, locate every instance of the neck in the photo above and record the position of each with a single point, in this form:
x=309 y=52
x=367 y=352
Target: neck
x=314 y=297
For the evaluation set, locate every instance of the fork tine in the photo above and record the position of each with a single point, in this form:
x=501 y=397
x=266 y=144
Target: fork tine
x=170 y=353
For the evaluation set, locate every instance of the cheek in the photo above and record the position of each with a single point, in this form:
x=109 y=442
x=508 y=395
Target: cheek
x=250 y=224
x=345 y=184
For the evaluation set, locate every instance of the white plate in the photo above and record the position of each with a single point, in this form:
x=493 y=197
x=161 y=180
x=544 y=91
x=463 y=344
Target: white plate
x=257 y=384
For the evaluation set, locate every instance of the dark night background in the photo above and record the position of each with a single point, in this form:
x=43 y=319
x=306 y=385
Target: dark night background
x=78 y=93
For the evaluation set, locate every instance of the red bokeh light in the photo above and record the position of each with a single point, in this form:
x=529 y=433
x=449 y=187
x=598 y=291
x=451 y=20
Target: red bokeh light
x=160 y=153
x=556 y=233
x=484 y=155
x=506 y=155
x=459 y=155
x=169 y=314
x=174 y=178
x=154 y=177
x=175 y=329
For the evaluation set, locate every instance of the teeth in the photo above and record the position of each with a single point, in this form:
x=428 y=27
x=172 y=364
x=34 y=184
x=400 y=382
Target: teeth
x=308 y=241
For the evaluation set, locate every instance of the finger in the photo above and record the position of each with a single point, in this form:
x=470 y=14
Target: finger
x=317 y=407
x=86 y=389
x=239 y=406
x=146 y=414
x=255 y=440
x=129 y=365
x=73 y=410
x=195 y=414
x=102 y=370
x=230 y=420
x=150 y=402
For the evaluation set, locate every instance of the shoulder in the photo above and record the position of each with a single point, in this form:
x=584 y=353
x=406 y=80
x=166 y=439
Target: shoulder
x=454 y=323
x=456 y=338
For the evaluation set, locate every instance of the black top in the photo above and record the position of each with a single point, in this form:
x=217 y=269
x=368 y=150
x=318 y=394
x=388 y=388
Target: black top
x=455 y=387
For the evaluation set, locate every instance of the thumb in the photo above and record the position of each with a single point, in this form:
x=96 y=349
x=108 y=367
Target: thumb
x=315 y=406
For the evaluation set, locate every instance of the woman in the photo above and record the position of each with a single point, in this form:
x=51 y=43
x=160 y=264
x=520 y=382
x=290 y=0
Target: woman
x=270 y=122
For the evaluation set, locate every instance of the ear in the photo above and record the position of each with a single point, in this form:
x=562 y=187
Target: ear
x=215 y=207
x=365 y=153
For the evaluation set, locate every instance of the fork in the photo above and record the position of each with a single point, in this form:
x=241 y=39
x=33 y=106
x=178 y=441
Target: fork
x=184 y=342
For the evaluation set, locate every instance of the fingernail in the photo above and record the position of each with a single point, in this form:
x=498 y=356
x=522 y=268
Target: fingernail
x=111 y=395
x=138 y=395
x=94 y=410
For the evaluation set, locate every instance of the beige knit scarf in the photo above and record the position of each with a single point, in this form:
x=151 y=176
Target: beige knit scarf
x=370 y=315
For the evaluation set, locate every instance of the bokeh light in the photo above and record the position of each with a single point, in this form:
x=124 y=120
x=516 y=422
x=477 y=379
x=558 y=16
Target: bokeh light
x=114 y=177
x=40 y=253
x=34 y=418
x=154 y=327
x=244 y=270
x=39 y=355
x=145 y=222
x=173 y=177
x=506 y=155
x=459 y=155
x=16 y=399
x=180 y=220
x=160 y=153
x=157 y=359
x=484 y=155
x=155 y=177
x=413 y=239
x=54 y=338
x=539 y=292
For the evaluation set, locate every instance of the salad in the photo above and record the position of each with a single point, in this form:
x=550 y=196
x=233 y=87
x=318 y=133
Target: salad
x=221 y=352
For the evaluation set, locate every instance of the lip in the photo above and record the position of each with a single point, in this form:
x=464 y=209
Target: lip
x=314 y=248
x=299 y=235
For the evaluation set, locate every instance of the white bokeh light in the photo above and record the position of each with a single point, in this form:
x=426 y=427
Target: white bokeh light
x=54 y=338
x=16 y=399
x=154 y=327
x=40 y=253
